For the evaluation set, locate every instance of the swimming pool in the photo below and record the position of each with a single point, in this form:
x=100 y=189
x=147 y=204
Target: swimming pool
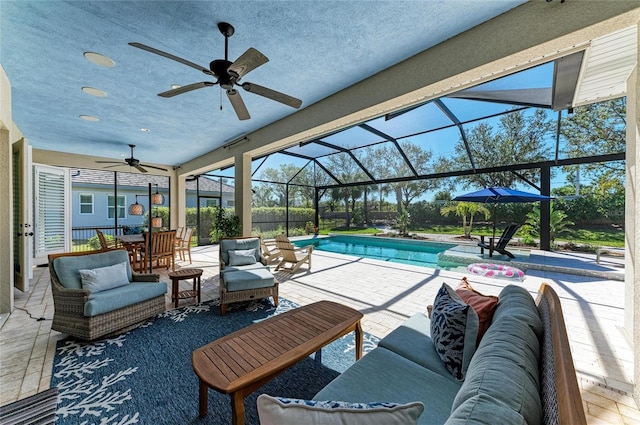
x=405 y=251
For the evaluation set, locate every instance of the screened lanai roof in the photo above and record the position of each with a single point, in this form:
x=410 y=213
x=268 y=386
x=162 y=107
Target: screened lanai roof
x=412 y=143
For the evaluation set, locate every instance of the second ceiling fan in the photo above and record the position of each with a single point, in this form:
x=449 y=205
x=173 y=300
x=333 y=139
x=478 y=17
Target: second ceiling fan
x=228 y=75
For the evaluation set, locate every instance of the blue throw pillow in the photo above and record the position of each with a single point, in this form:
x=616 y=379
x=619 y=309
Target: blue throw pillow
x=242 y=257
x=454 y=330
x=103 y=278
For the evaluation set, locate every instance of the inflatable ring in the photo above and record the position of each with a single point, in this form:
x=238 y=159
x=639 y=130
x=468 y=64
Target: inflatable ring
x=496 y=270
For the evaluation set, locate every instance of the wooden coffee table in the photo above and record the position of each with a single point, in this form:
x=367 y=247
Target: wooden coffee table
x=243 y=361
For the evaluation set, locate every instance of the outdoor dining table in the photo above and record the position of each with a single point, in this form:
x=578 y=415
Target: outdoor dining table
x=133 y=244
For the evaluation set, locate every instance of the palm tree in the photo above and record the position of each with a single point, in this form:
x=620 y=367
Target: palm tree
x=464 y=210
x=558 y=222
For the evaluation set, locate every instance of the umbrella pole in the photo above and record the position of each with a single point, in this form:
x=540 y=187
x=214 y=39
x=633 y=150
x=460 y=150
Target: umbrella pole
x=494 y=221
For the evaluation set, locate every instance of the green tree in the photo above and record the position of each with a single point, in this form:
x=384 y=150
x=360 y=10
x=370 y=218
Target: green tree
x=558 y=222
x=466 y=210
x=596 y=129
x=519 y=138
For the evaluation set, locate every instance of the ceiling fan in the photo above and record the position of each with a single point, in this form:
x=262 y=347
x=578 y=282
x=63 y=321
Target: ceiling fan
x=131 y=162
x=228 y=75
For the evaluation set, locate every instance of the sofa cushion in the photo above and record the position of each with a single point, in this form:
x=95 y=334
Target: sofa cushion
x=227 y=245
x=454 y=331
x=288 y=411
x=411 y=340
x=66 y=268
x=483 y=305
x=482 y=409
x=515 y=302
x=382 y=375
x=242 y=257
x=253 y=266
x=122 y=296
x=248 y=279
x=104 y=278
x=505 y=366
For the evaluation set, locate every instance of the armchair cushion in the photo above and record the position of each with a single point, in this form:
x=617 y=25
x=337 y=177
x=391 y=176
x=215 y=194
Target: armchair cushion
x=242 y=257
x=242 y=280
x=122 y=296
x=227 y=245
x=103 y=278
x=66 y=268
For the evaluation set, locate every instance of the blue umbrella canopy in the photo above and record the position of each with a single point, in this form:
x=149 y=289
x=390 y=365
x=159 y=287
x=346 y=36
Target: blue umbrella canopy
x=500 y=195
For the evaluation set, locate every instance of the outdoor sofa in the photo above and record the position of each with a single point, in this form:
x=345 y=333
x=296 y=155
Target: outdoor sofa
x=521 y=373
x=106 y=298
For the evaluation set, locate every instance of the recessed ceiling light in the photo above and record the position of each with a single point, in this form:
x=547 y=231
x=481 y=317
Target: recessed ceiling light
x=94 y=92
x=175 y=86
x=146 y=130
x=99 y=59
x=90 y=118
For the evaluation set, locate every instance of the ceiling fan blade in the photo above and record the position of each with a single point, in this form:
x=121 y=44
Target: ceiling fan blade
x=247 y=62
x=152 y=166
x=272 y=94
x=238 y=104
x=170 y=56
x=139 y=168
x=185 y=89
x=113 y=166
x=109 y=162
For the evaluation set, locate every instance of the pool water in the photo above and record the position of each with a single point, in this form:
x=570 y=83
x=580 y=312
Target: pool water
x=415 y=252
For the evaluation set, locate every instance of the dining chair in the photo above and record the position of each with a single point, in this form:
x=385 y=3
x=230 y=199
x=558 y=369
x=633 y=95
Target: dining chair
x=161 y=250
x=184 y=244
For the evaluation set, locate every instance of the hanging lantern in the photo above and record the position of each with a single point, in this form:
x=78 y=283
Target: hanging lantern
x=157 y=198
x=136 y=209
x=156 y=222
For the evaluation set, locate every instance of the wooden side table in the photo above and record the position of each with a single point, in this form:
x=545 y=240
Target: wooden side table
x=183 y=274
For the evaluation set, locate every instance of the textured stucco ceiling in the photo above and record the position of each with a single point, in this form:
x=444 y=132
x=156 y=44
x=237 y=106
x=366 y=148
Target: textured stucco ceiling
x=314 y=49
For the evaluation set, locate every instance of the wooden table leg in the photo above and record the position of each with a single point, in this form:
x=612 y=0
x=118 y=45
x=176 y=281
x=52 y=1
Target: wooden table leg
x=175 y=289
x=203 y=400
x=237 y=408
x=358 y=340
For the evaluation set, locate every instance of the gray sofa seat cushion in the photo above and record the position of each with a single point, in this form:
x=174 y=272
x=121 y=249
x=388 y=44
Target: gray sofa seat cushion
x=254 y=266
x=411 y=340
x=242 y=280
x=67 y=267
x=383 y=375
x=504 y=368
x=122 y=296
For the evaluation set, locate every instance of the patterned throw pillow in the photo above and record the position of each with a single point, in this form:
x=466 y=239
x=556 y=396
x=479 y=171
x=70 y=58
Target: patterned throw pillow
x=484 y=305
x=454 y=331
x=291 y=411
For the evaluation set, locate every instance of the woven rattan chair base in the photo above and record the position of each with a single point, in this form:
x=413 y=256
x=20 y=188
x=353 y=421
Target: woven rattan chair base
x=228 y=297
x=107 y=324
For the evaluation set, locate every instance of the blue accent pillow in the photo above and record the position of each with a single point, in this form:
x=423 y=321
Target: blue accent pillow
x=454 y=331
x=242 y=257
x=103 y=278
x=290 y=411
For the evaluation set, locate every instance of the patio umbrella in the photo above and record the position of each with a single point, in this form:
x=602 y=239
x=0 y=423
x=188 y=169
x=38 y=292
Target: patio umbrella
x=500 y=195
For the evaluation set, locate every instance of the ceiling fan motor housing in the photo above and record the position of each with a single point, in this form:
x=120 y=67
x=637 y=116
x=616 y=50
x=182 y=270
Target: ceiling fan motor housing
x=219 y=69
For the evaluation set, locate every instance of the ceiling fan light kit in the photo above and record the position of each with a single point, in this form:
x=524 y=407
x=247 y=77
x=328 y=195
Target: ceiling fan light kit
x=227 y=74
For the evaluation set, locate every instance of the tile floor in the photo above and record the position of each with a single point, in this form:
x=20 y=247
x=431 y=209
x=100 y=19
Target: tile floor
x=387 y=294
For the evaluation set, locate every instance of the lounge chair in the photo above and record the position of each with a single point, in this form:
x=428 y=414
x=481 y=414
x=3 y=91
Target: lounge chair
x=502 y=242
x=270 y=251
x=292 y=255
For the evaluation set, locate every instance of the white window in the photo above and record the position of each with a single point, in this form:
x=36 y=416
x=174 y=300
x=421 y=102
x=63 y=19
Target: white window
x=231 y=203
x=121 y=206
x=86 y=203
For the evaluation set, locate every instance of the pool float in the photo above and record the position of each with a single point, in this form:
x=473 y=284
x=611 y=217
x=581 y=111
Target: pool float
x=496 y=270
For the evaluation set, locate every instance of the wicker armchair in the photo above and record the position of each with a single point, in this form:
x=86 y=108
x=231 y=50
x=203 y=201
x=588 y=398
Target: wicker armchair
x=69 y=298
x=244 y=281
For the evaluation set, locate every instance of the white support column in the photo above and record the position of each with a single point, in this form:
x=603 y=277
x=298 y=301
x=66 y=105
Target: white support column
x=243 y=192
x=178 y=200
x=6 y=223
x=632 y=223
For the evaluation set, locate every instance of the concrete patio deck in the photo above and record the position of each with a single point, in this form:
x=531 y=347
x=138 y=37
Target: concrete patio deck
x=387 y=294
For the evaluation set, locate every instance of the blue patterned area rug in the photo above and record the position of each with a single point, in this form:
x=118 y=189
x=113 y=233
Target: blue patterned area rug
x=145 y=376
